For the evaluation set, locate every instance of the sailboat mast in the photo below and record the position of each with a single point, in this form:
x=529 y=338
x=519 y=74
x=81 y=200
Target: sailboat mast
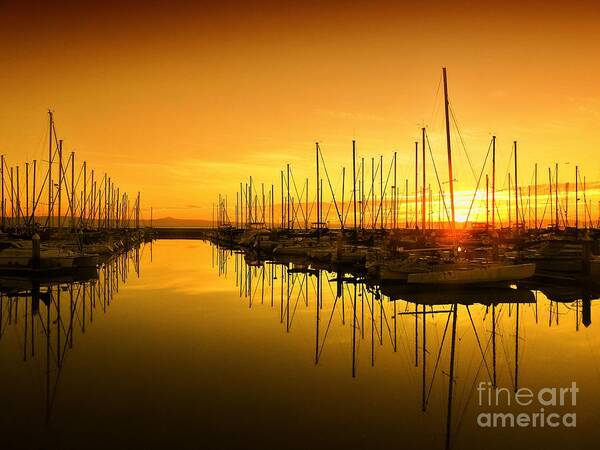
x=342 y=219
x=51 y=126
x=556 y=195
x=26 y=193
x=72 y=206
x=381 y=189
x=318 y=187
x=550 y=196
x=406 y=204
x=354 y=180
x=395 y=201
x=576 y=197
x=59 y=182
x=424 y=198
x=449 y=147
x=517 y=220
x=35 y=199
x=487 y=203
x=362 y=193
x=535 y=214
x=416 y=185
x=493 y=182
x=509 y=196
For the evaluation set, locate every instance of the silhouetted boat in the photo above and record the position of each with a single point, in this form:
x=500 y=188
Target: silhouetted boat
x=474 y=274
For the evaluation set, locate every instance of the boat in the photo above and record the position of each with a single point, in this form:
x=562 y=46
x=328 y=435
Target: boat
x=18 y=255
x=474 y=274
x=85 y=260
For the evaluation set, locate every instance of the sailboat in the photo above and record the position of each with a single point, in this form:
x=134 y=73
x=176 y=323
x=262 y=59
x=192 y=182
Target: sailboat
x=466 y=272
x=470 y=273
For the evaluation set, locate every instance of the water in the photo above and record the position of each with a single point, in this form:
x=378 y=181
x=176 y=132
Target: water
x=180 y=345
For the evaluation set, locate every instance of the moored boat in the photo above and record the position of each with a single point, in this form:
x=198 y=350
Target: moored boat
x=475 y=274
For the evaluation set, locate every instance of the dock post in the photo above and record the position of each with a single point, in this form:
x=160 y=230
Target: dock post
x=35 y=251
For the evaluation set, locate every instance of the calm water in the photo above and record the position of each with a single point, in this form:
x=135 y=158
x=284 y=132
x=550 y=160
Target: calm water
x=184 y=346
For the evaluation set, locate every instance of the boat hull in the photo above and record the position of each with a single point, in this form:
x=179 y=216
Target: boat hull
x=475 y=275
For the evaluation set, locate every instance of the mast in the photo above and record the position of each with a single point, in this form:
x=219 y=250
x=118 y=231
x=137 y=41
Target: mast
x=585 y=207
x=517 y=222
x=449 y=146
x=493 y=182
x=424 y=199
x=373 y=223
x=395 y=200
x=362 y=193
x=550 y=194
x=262 y=189
x=509 y=196
x=18 y=194
x=73 y=190
x=34 y=201
x=406 y=203
x=273 y=207
x=107 y=199
x=354 y=183
x=59 y=182
x=51 y=126
x=12 y=198
x=487 y=204
x=416 y=185
x=26 y=192
x=288 y=198
x=84 y=206
x=556 y=195
x=318 y=187
x=343 y=189
x=381 y=187
x=535 y=213
x=252 y=217
x=93 y=201
x=528 y=205
x=576 y=197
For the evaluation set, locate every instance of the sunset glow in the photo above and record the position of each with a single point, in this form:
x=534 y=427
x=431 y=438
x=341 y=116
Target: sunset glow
x=183 y=101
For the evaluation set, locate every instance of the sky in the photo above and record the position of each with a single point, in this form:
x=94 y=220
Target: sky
x=183 y=100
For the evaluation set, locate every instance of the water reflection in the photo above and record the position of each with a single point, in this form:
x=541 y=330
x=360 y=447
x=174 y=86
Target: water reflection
x=429 y=326
x=259 y=354
x=48 y=315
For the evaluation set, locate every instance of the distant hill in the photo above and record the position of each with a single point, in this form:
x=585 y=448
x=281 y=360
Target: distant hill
x=173 y=222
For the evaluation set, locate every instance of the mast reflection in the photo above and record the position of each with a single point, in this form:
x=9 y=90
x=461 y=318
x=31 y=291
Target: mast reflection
x=49 y=314
x=487 y=321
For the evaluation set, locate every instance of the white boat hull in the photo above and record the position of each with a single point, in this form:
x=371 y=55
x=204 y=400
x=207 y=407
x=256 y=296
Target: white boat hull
x=475 y=275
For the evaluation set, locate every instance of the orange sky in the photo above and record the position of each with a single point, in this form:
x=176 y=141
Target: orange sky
x=184 y=100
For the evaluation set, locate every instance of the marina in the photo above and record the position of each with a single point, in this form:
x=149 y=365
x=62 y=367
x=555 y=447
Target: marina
x=66 y=222
x=374 y=242
x=299 y=225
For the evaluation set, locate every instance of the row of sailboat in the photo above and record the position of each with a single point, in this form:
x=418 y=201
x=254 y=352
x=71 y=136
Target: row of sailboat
x=64 y=218
x=478 y=256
